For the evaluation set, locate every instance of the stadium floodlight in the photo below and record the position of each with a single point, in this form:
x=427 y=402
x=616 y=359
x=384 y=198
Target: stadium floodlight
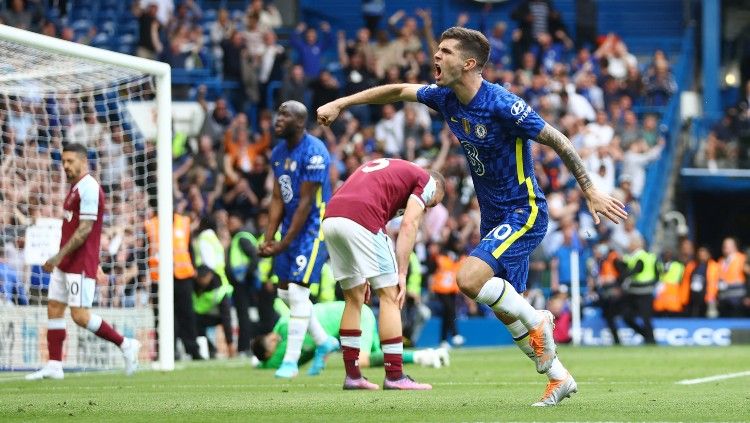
x=51 y=92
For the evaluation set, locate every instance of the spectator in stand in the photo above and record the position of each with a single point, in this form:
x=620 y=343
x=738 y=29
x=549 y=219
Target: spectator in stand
x=234 y=62
x=270 y=65
x=390 y=132
x=499 y=51
x=634 y=162
x=732 y=288
x=659 y=85
x=220 y=30
x=357 y=76
x=618 y=58
x=188 y=13
x=17 y=15
x=311 y=50
x=650 y=132
x=372 y=12
x=700 y=281
x=269 y=17
x=217 y=119
x=294 y=86
x=549 y=53
x=149 y=30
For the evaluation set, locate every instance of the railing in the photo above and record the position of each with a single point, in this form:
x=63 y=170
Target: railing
x=658 y=172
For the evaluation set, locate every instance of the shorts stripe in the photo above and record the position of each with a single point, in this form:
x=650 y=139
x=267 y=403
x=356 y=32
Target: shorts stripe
x=522 y=179
x=311 y=262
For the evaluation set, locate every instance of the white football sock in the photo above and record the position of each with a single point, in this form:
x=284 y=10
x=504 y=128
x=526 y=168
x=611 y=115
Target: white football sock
x=521 y=338
x=500 y=295
x=316 y=330
x=300 y=309
x=284 y=295
x=95 y=322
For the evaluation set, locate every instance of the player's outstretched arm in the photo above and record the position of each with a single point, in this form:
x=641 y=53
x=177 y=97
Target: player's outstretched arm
x=384 y=94
x=407 y=236
x=75 y=241
x=597 y=201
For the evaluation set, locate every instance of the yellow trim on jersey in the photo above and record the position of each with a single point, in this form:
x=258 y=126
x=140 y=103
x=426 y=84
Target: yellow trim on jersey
x=321 y=209
x=311 y=262
x=522 y=179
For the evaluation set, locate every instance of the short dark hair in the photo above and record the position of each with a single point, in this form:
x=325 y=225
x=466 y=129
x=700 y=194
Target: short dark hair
x=439 y=178
x=258 y=347
x=471 y=42
x=74 y=147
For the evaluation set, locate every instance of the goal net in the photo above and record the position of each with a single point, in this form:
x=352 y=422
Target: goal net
x=53 y=93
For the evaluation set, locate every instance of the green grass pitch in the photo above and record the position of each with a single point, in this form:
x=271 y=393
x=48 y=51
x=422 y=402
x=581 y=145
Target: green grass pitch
x=615 y=384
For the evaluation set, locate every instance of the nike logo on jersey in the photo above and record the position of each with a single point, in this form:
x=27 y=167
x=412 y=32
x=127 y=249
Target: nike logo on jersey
x=453 y=119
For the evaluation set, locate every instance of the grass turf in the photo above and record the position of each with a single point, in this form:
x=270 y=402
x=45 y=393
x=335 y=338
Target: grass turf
x=615 y=384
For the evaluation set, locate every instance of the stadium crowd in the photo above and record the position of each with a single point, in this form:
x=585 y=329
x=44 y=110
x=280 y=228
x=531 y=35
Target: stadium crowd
x=590 y=90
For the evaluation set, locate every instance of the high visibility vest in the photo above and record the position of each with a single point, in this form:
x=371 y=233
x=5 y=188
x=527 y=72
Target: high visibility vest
x=641 y=282
x=414 y=278
x=207 y=302
x=667 y=297
x=732 y=277
x=712 y=281
x=216 y=262
x=239 y=262
x=444 y=279
x=183 y=265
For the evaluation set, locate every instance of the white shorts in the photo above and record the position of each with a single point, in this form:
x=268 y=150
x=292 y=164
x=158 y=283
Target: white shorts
x=358 y=254
x=71 y=289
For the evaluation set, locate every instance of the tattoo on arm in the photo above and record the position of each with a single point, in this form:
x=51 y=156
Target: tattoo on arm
x=78 y=238
x=564 y=148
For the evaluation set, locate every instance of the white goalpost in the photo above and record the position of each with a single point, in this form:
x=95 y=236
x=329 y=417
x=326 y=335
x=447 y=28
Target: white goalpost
x=52 y=92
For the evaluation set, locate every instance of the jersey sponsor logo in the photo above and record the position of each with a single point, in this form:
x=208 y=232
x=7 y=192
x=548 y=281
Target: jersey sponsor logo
x=317 y=162
x=517 y=107
x=285 y=183
x=520 y=109
x=480 y=131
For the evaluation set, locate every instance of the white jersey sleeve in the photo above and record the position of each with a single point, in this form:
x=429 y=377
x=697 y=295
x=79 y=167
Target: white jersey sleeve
x=88 y=191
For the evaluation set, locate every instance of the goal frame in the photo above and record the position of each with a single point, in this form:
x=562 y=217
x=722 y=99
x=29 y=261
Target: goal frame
x=162 y=73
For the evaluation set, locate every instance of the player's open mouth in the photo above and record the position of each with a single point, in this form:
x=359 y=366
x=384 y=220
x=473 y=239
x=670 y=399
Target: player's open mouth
x=438 y=72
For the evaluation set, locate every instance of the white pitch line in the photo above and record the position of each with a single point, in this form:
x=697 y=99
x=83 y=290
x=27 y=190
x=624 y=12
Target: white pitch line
x=713 y=378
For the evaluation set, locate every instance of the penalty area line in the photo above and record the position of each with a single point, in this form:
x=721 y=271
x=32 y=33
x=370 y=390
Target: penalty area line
x=712 y=378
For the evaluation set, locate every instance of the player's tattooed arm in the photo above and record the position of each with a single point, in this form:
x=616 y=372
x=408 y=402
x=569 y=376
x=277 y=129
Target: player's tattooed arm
x=597 y=201
x=564 y=148
x=75 y=241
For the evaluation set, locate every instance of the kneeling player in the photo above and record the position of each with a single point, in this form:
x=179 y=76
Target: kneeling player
x=354 y=229
x=75 y=267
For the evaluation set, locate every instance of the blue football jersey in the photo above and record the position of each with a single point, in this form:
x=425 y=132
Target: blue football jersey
x=308 y=161
x=494 y=130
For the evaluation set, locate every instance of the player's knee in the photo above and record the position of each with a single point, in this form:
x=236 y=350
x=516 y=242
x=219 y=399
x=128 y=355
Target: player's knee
x=356 y=295
x=80 y=317
x=388 y=295
x=468 y=283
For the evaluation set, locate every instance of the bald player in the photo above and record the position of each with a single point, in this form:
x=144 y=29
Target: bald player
x=301 y=189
